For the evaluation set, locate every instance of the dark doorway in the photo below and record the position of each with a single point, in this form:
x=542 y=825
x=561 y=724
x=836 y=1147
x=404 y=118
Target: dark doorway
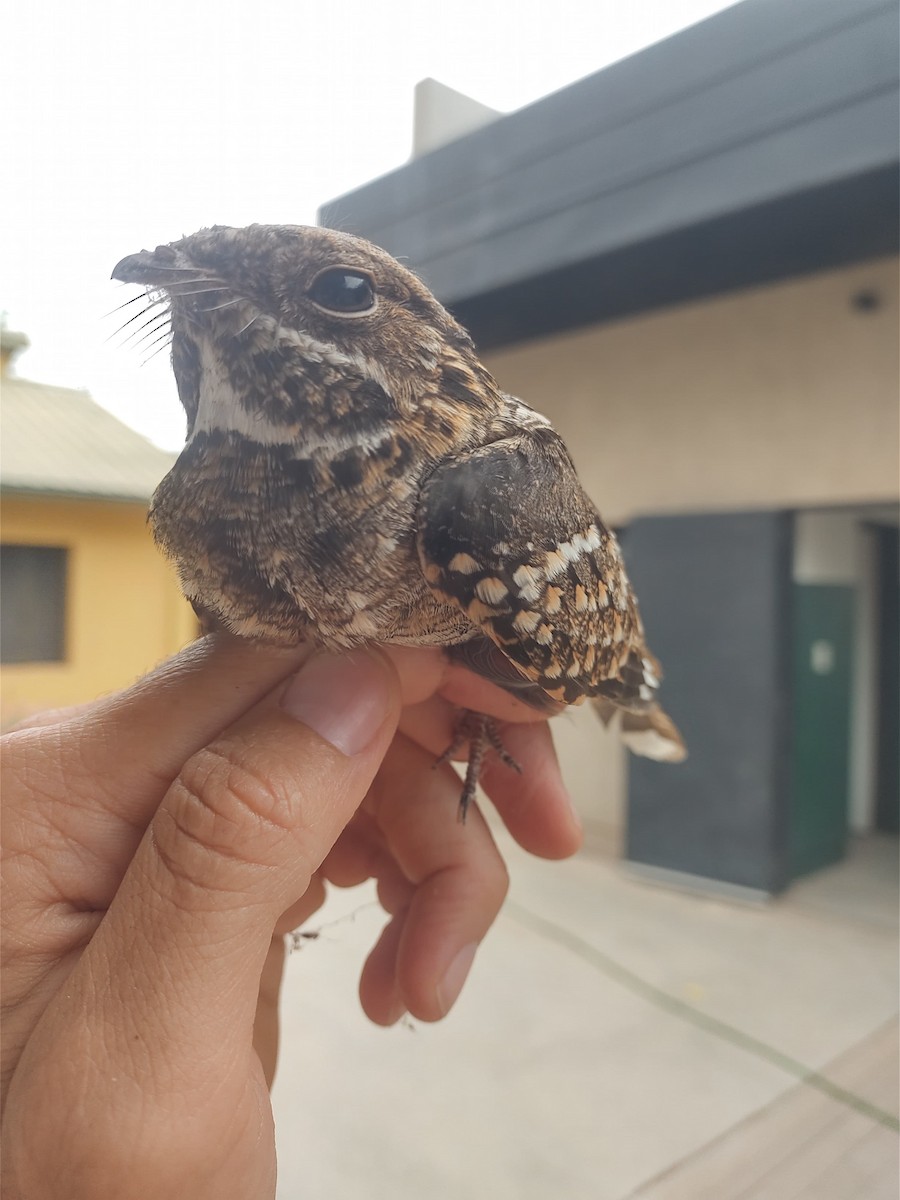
x=822 y=654
x=887 y=776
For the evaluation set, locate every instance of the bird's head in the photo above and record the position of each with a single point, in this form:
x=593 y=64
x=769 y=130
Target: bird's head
x=287 y=310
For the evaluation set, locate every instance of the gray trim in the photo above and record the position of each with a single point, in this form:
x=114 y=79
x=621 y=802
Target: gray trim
x=697 y=885
x=774 y=122
x=850 y=222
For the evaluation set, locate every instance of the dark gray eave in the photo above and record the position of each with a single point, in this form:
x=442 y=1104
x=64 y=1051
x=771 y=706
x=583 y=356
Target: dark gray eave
x=757 y=145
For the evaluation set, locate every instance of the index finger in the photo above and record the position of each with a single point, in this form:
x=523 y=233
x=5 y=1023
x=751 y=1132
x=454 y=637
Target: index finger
x=535 y=805
x=119 y=754
x=443 y=883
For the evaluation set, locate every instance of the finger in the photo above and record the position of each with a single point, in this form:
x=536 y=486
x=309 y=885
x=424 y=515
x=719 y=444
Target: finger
x=380 y=992
x=433 y=722
x=459 y=883
x=420 y=669
x=102 y=772
x=425 y=671
x=301 y=910
x=175 y=965
x=357 y=855
x=467 y=690
x=535 y=806
x=395 y=892
x=52 y=716
x=265 y=1023
x=120 y=753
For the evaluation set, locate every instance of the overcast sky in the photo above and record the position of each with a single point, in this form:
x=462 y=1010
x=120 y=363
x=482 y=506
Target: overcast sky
x=128 y=124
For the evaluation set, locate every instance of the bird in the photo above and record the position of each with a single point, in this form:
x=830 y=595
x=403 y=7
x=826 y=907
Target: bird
x=353 y=474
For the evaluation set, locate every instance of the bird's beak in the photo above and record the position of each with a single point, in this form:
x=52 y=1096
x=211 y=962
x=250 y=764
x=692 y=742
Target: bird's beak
x=159 y=267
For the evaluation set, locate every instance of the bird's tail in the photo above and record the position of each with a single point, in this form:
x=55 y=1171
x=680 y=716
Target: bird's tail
x=650 y=732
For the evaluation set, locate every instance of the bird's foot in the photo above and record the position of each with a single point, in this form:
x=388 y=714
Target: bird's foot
x=482 y=733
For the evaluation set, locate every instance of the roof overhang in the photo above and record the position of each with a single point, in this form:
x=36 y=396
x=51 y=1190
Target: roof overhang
x=755 y=146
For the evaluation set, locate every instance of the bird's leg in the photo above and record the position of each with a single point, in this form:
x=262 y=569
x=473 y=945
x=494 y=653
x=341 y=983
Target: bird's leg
x=481 y=732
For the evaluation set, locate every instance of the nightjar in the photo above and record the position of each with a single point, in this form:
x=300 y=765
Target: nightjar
x=353 y=474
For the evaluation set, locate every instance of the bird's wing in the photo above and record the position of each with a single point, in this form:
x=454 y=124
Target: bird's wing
x=507 y=534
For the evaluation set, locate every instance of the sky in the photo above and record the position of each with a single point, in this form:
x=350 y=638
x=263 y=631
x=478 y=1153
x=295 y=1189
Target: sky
x=126 y=125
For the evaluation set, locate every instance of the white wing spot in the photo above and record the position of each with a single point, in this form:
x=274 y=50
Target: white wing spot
x=650 y=675
x=554 y=564
x=651 y=744
x=552 y=600
x=526 y=621
x=528 y=580
x=364 y=625
x=465 y=564
x=491 y=590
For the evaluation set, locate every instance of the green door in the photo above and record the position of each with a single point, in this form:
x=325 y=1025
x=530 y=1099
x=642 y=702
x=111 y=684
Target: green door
x=887 y=810
x=822 y=667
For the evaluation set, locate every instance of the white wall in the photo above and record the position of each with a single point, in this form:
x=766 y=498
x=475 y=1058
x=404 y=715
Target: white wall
x=780 y=396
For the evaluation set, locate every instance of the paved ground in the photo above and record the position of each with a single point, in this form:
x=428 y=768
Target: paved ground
x=616 y=1041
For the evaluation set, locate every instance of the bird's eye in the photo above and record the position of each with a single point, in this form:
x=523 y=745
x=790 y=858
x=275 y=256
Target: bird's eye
x=340 y=290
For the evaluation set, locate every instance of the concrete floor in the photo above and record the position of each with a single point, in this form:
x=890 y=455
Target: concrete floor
x=615 y=1040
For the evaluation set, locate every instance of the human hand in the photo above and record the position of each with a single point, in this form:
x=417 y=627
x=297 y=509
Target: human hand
x=155 y=842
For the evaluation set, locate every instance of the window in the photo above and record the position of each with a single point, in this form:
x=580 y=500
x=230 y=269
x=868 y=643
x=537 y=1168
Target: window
x=32 y=603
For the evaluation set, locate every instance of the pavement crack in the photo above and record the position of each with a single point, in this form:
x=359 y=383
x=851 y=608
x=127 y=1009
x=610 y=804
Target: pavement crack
x=687 y=1012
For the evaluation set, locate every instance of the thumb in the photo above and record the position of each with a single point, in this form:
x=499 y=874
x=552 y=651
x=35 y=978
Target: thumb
x=176 y=962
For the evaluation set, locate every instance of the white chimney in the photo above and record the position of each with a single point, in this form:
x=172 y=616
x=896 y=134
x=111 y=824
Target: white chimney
x=441 y=115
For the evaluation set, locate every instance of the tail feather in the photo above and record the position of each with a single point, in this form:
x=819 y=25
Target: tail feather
x=650 y=733
x=645 y=729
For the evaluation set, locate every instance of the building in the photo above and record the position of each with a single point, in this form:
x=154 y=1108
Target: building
x=689 y=262
x=88 y=603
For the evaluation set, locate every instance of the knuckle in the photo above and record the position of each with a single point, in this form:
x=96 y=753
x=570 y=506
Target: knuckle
x=499 y=885
x=223 y=784
x=220 y=807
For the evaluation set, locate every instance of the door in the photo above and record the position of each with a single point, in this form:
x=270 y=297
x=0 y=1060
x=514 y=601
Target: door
x=822 y=672
x=887 y=809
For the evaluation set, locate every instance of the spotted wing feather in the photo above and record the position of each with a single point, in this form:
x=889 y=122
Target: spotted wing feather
x=507 y=534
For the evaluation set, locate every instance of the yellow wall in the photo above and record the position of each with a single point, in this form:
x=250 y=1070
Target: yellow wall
x=124 y=611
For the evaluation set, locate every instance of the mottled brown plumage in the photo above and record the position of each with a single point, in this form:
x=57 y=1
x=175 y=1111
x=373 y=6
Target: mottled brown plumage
x=352 y=473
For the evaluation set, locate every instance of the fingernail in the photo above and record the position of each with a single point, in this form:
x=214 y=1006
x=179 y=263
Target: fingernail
x=454 y=977
x=396 y=1010
x=343 y=698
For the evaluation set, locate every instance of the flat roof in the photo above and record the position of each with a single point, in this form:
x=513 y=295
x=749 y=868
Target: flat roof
x=759 y=144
